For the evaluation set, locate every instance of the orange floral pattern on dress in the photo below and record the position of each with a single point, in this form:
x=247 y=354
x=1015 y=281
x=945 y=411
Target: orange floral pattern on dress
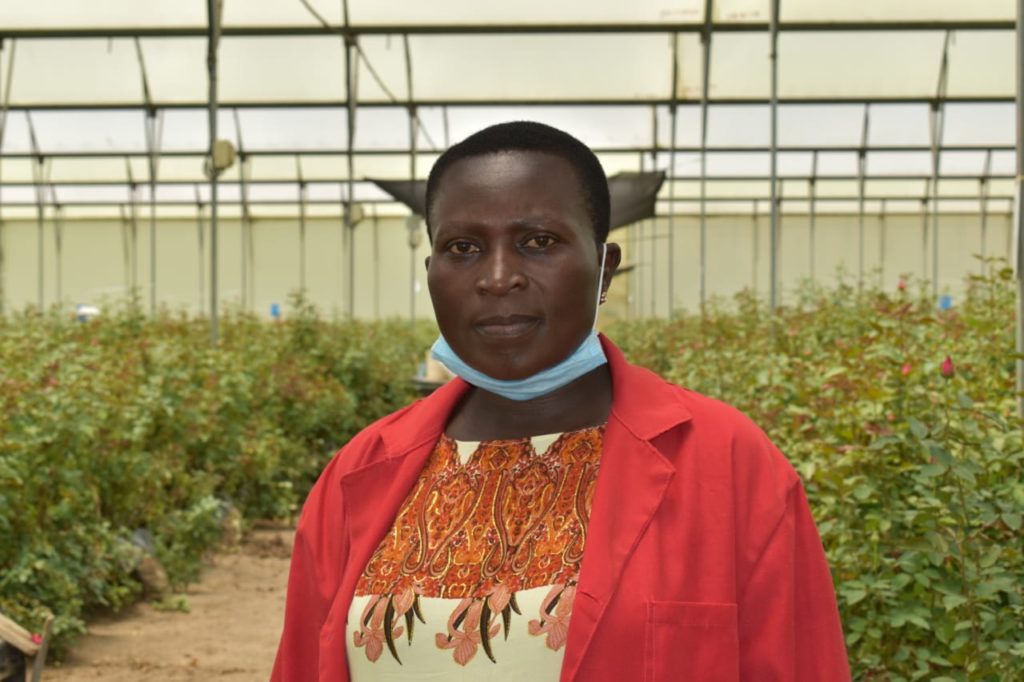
x=510 y=519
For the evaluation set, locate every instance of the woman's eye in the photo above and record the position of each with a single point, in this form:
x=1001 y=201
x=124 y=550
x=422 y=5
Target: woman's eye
x=462 y=247
x=540 y=241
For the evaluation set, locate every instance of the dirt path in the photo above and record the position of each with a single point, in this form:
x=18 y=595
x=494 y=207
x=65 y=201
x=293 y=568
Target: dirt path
x=229 y=634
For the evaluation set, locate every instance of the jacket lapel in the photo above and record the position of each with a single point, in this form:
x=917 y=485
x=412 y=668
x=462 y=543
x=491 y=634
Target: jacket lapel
x=630 y=486
x=373 y=494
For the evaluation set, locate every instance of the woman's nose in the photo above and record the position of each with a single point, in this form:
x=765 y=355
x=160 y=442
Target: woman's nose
x=501 y=272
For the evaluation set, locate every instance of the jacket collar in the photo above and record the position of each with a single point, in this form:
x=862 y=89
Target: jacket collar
x=424 y=420
x=645 y=404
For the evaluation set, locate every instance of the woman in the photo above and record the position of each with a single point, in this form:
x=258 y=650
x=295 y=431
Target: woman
x=553 y=512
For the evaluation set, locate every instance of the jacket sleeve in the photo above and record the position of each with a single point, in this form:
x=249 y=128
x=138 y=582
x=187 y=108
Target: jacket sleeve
x=317 y=560
x=789 y=627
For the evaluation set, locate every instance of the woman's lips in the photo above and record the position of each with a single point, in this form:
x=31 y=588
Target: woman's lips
x=506 y=326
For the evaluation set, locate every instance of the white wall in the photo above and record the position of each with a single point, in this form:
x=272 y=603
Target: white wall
x=731 y=264
x=93 y=266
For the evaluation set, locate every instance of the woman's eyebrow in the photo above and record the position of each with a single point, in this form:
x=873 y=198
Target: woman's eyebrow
x=540 y=223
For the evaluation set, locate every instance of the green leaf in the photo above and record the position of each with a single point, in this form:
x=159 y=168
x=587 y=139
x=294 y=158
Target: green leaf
x=854 y=596
x=1012 y=519
x=951 y=601
x=919 y=622
x=917 y=427
x=863 y=492
x=941 y=454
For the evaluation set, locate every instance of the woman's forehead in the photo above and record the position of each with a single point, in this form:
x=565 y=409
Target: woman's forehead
x=509 y=186
x=521 y=167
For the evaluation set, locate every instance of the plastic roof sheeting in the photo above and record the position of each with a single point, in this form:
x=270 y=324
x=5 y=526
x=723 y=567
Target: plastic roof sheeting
x=601 y=69
x=192 y=13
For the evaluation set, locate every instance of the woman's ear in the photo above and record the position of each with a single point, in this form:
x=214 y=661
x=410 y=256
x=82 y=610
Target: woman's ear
x=612 y=260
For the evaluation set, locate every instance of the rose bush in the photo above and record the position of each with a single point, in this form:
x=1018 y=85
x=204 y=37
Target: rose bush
x=901 y=420
x=127 y=422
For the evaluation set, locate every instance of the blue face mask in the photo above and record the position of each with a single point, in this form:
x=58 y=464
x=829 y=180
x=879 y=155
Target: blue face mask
x=587 y=357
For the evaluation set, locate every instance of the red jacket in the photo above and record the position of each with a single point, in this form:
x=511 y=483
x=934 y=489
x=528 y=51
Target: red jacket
x=702 y=560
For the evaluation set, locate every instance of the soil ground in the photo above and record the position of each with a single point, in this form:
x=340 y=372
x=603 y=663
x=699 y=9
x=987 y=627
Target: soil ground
x=229 y=634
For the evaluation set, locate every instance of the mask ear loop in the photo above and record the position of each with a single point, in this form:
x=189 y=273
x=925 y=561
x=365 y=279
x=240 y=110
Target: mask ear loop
x=600 y=284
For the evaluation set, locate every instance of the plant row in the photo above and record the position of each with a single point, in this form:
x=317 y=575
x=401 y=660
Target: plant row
x=902 y=421
x=130 y=426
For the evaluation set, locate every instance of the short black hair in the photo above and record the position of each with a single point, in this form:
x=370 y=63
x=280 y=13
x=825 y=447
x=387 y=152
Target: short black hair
x=532 y=137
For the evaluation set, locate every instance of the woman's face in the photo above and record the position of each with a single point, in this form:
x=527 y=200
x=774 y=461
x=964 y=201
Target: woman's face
x=513 y=274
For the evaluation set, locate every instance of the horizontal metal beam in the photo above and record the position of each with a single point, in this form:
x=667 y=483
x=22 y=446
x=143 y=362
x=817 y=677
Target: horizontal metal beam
x=676 y=178
x=696 y=25
x=731 y=149
x=511 y=102
x=191 y=203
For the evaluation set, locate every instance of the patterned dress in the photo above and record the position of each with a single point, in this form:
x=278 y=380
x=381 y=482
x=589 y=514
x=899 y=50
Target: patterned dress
x=477 y=577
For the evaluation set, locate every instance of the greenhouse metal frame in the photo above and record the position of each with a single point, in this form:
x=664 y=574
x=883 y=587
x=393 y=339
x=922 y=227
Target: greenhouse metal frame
x=798 y=107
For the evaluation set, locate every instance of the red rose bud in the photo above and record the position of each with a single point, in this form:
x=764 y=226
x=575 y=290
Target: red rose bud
x=901 y=285
x=905 y=369
x=37 y=639
x=948 y=370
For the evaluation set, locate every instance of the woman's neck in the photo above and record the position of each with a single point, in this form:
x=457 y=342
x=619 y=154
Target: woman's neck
x=482 y=415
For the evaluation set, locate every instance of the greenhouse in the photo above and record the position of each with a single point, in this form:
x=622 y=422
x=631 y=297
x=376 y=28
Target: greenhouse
x=817 y=203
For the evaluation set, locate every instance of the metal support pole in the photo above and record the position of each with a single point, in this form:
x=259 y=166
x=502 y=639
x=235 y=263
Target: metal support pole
x=413 y=143
x=154 y=132
x=153 y=129
x=757 y=246
x=251 y=241
x=935 y=233
x=936 y=122
x=883 y=229
x=37 y=171
x=774 y=107
x=246 y=241
x=632 y=246
x=58 y=242
x=651 y=251
x=1019 y=214
x=983 y=191
x=213 y=13
x=376 y=263
x=151 y=144
x=4 y=108
x=125 y=253
x=248 y=266
x=1 y=213
x=862 y=160
x=200 y=230
x=303 y=197
x=39 y=176
x=348 y=224
x=813 y=190
x=639 y=279
x=924 y=232
x=705 y=38
x=673 y=110
x=133 y=190
x=412 y=282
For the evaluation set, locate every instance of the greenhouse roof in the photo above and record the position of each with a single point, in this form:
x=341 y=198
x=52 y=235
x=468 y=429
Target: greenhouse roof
x=884 y=103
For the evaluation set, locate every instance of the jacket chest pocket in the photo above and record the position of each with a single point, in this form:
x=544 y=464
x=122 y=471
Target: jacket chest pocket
x=691 y=641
